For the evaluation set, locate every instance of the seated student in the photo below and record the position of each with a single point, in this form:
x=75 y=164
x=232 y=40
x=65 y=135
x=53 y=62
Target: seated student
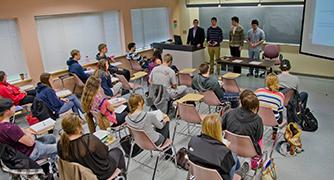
x=22 y=139
x=290 y=81
x=208 y=149
x=164 y=75
x=87 y=149
x=93 y=99
x=245 y=120
x=133 y=55
x=14 y=93
x=74 y=66
x=272 y=98
x=54 y=103
x=156 y=129
x=155 y=61
x=106 y=84
x=102 y=54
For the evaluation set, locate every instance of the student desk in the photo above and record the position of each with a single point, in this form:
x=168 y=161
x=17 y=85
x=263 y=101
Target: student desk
x=138 y=75
x=190 y=97
x=246 y=62
x=187 y=70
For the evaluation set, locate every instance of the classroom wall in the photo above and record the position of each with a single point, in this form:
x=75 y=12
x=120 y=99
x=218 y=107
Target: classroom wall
x=25 y=11
x=301 y=64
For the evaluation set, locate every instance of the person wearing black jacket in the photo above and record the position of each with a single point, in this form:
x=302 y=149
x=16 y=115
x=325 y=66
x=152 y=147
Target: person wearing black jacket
x=208 y=149
x=102 y=54
x=245 y=120
x=196 y=35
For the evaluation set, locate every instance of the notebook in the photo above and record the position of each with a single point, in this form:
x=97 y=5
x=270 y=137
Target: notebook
x=160 y=116
x=117 y=101
x=120 y=109
x=101 y=134
x=63 y=93
x=43 y=125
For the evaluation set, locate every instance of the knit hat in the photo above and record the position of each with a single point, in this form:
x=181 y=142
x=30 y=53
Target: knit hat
x=5 y=104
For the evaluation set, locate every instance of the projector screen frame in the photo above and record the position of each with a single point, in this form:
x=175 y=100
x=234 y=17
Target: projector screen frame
x=301 y=39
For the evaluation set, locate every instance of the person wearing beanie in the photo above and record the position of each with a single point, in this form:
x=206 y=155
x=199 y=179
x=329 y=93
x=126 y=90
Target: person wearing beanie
x=23 y=139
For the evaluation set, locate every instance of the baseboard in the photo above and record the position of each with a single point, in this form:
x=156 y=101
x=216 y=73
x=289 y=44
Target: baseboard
x=313 y=75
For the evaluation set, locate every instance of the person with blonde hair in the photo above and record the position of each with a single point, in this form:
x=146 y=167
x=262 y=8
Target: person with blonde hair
x=208 y=149
x=94 y=99
x=156 y=129
x=87 y=149
x=272 y=98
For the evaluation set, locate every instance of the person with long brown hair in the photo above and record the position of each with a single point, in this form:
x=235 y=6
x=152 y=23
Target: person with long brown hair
x=48 y=96
x=245 y=120
x=156 y=129
x=94 y=99
x=208 y=149
x=106 y=84
x=87 y=149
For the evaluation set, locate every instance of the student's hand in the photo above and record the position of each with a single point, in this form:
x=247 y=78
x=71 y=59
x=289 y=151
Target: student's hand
x=166 y=119
x=28 y=131
x=65 y=99
x=214 y=43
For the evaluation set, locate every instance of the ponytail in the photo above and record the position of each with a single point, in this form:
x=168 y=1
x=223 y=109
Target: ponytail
x=65 y=145
x=90 y=121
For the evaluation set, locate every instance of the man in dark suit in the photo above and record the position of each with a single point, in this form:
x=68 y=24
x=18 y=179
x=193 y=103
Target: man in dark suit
x=196 y=35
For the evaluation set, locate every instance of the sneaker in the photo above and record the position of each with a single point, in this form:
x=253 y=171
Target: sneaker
x=249 y=74
x=256 y=75
x=274 y=135
x=299 y=150
x=242 y=172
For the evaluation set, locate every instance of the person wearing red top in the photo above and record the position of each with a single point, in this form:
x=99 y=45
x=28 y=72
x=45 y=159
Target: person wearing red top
x=14 y=93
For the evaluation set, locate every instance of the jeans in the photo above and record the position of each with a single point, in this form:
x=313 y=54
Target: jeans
x=254 y=54
x=73 y=104
x=236 y=165
x=45 y=146
x=214 y=53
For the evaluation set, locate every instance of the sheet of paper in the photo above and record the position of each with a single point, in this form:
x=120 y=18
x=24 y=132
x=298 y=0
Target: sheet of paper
x=117 y=100
x=101 y=134
x=116 y=63
x=114 y=79
x=158 y=114
x=120 y=108
x=255 y=62
x=63 y=93
x=40 y=126
x=91 y=71
x=237 y=61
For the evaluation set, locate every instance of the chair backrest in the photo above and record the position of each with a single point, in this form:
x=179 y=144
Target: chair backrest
x=271 y=51
x=57 y=84
x=142 y=139
x=188 y=113
x=202 y=173
x=72 y=170
x=288 y=95
x=230 y=85
x=267 y=115
x=125 y=83
x=78 y=80
x=210 y=98
x=241 y=145
x=135 y=66
x=185 y=79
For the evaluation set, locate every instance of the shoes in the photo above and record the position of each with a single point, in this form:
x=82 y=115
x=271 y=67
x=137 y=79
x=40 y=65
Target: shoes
x=249 y=74
x=242 y=172
x=256 y=75
x=274 y=135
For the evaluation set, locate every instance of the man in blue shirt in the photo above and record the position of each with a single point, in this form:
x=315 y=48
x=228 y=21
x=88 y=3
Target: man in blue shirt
x=214 y=38
x=74 y=66
x=255 y=38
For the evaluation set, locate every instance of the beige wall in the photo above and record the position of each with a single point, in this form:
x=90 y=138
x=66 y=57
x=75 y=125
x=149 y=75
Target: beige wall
x=25 y=11
x=301 y=63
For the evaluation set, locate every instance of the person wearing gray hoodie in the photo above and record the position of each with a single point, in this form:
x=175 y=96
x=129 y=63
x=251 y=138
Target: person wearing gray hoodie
x=156 y=129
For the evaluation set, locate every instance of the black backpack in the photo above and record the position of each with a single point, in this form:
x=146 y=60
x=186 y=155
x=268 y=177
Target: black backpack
x=41 y=111
x=182 y=159
x=307 y=121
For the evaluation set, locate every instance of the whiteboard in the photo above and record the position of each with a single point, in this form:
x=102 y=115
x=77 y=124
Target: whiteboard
x=281 y=24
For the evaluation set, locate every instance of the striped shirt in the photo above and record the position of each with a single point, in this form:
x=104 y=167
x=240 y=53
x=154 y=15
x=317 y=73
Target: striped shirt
x=271 y=99
x=215 y=35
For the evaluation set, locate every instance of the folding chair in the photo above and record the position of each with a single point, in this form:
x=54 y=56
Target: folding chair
x=189 y=114
x=211 y=99
x=135 y=66
x=126 y=85
x=231 y=85
x=78 y=84
x=202 y=173
x=144 y=142
x=185 y=79
x=104 y=125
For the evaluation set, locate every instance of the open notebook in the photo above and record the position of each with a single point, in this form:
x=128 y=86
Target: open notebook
x=101 y=134
x=158 y=114
x=43 y=125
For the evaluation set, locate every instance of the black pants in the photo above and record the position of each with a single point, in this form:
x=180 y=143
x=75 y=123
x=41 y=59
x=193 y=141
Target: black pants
x=235 y=52
x=29 y=98
x=117 y=155
x=120 y=117
x=164 y=136
x=124 y=72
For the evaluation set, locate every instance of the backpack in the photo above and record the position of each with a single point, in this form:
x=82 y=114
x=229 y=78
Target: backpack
x=307 y=121
x=182 y=159
x=41 y=111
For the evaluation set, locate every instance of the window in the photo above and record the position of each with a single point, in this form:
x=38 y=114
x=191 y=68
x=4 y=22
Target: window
x=149 y=25
x=12 y=58
x=58 y=35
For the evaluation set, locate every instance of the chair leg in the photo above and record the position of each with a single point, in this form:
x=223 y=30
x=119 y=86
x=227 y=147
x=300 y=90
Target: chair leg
x=129 y=158
x=210 y=109
x=155 y=167
x=188 y=128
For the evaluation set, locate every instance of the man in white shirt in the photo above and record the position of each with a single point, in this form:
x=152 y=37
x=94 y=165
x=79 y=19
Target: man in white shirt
x=164 y=75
